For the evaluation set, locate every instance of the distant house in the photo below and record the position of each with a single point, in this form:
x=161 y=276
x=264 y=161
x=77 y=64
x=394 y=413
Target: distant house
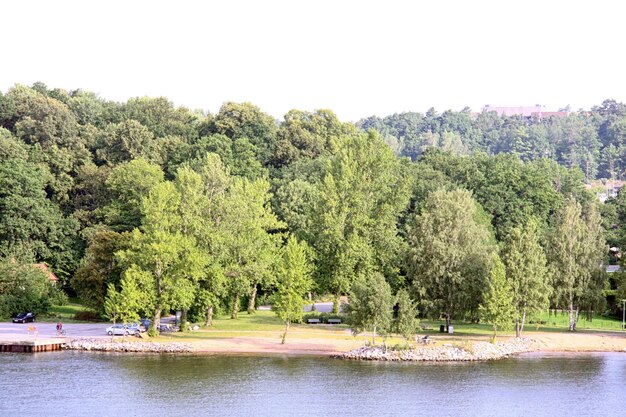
x=46 y=269
x=536 y=112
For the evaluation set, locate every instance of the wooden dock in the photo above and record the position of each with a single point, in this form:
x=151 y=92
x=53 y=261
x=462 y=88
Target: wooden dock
x=30 y=344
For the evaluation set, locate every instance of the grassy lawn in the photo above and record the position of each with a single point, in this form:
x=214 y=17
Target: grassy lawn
x=265 y=324
x=64 y=313
x=543 y=322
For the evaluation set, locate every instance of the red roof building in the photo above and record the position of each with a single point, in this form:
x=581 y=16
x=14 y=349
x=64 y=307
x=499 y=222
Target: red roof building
x=46 y=269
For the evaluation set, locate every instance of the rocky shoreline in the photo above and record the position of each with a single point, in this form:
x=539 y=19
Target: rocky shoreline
x=108 y=346
x=477 y=351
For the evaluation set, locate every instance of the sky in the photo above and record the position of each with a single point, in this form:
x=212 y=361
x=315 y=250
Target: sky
x=357 y=58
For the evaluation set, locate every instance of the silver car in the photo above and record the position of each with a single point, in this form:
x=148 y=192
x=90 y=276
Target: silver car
x=120 y=330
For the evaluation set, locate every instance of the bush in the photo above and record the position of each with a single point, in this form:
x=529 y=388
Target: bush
x=86 y=316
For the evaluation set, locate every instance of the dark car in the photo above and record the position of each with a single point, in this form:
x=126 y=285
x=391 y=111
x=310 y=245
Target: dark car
x=24 y=318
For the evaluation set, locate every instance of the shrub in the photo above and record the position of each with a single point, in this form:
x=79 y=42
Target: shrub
x=87 y=316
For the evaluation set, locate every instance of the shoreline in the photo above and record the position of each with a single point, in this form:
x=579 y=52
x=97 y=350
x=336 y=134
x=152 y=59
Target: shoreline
x=444 y=348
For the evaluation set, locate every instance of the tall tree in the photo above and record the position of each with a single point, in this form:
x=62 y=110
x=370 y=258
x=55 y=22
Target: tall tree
x=354 y=217
x=162 y=261
x=249 y=229
x=526 y=272
x=405 y=319
x=369 y=307
x=576 y=250
x=293 y=283
x=450 y=250
x=498 y=307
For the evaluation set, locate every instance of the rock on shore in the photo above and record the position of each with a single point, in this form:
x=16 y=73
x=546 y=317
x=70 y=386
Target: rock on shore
x=478 y=351
x=108 y=346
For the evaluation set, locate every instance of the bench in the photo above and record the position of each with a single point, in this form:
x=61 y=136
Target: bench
x=334 y=321
x=313 y=321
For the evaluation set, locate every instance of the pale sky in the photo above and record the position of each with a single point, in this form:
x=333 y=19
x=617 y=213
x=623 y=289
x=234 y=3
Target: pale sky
x=357 y=58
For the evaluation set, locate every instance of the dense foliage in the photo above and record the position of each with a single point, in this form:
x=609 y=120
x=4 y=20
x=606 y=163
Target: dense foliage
x=142 y=207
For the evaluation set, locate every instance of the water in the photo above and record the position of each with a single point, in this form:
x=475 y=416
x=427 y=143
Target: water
x=103 y=384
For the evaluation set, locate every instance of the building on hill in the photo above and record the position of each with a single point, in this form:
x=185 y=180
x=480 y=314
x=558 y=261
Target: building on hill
x=536 y=112
x=46 y=269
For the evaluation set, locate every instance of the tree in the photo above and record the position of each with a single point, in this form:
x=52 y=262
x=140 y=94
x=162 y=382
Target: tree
x=293 y=283
x=369 y=307
x=244 y=120
x=450 y=250
x=353 y=221
x=129 y=184
x=498 y=307
x=526 y=272
x=32 y=227
x=405 y=320
x=248 y=228
x=308 y=135
x=26 y=288
x=126 y=141
x=99 y=268
x=576 y=251
x=161 y=260
x=123 y=305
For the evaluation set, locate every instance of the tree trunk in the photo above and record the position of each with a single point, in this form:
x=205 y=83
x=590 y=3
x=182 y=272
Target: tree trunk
x=447 y=322
x=208 y=318
x=183 y=318
x=572 y=325
x=235 y=310
x=252 y=301
x=336 y=304
x=285 y=334
x=523 y=322
x=495 y=333
x=518 y=331
x=156 y=318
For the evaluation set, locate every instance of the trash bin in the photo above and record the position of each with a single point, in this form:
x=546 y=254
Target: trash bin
x=450 y=329
x=442 y=328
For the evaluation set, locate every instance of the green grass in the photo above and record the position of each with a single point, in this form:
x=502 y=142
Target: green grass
x=64 y=313
x=542 y=322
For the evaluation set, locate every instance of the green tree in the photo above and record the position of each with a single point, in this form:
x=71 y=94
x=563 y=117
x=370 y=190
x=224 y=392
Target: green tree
x=353 y=221
x=25 y=288
x=526 y=272
x=129 y=184
x=450 y=250
x=249 y=231
x=498 y=307
x=370 y=305
x=405 y=320
x=99 y=268
x=123 y=305
x=576 y=251
x=292 y=284
x=162 y=261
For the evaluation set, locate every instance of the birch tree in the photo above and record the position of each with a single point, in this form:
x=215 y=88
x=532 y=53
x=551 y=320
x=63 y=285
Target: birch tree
x=526 y=272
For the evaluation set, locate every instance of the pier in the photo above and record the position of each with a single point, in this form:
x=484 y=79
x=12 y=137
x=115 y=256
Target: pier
x=30 y=344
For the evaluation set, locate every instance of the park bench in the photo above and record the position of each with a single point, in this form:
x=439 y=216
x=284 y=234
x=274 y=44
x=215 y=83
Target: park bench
x=313 y=321
x=334 y=321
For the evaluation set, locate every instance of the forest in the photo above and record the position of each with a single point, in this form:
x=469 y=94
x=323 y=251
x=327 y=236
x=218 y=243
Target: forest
x=142 y=208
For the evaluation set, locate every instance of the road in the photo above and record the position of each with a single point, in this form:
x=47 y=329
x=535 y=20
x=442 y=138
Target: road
x=71 y=329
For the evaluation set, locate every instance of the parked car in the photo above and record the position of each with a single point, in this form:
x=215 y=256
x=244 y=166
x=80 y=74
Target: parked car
x=145 y=323
x=24 y=318
x=120 y=330
x=167 y=328
x=138 y=328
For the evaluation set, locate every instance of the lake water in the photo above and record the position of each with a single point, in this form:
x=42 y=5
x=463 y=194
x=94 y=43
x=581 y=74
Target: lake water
x=71 y=383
